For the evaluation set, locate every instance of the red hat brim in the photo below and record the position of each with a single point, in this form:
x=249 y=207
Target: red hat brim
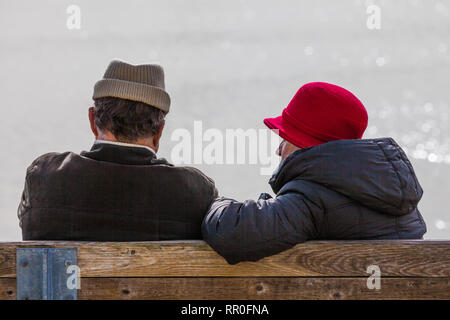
x=290 y=133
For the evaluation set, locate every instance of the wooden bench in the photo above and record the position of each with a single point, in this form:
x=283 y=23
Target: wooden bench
x=192 y=270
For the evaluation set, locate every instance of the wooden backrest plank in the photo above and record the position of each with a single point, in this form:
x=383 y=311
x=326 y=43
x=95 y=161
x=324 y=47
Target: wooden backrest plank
x=396 y=258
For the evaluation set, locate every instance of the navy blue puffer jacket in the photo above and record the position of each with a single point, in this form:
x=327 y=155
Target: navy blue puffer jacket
x=346 y=189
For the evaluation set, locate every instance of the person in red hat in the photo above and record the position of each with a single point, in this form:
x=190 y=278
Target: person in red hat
x=319 y=112
x=330 y=184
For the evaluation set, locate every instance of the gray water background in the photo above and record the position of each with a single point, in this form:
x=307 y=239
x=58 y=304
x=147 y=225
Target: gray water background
x=230 y=64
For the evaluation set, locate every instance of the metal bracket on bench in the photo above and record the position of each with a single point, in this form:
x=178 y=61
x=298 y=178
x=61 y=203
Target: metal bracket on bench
x=42 y=273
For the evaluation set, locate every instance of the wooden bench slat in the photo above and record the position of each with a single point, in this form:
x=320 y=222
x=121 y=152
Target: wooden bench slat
x=8 y=288
x=396 y=258
x=252 y=288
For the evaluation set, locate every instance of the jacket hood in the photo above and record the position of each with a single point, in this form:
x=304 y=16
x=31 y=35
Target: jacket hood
x=373 y=172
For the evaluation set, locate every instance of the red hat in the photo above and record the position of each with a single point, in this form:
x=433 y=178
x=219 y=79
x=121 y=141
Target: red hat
x=318 y=113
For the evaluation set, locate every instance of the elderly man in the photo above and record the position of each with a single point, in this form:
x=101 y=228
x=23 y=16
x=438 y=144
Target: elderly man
x=330 y=184
x=119 y=190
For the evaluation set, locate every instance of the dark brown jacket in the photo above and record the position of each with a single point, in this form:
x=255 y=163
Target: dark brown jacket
x=112 y=193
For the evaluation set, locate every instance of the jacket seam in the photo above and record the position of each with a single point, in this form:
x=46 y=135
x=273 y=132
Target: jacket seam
x=408 y=166
x=397 y=174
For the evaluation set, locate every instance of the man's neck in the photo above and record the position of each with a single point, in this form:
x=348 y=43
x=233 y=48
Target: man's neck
x=137 y=144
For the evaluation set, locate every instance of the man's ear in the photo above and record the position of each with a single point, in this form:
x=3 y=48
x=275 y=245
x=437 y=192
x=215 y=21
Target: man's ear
x=92 y=122
x=158 y=136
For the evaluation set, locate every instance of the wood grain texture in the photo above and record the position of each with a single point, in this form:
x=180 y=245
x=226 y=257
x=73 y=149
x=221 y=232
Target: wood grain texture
x=8 y=289
x=252 y=288
x=196 y=258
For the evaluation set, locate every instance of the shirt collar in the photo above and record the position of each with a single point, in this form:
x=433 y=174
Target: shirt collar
x=124 y=144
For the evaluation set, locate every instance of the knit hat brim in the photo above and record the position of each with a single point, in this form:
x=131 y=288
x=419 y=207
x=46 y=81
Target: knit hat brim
x=140 y=92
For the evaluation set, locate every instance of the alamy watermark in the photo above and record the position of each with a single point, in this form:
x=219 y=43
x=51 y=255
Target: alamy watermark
x=74 y=280
x=73 y=21
x=374 y=280
x=229 y=147
x=374 y=19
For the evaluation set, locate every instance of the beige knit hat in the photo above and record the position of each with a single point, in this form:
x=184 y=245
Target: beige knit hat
x=143 y=83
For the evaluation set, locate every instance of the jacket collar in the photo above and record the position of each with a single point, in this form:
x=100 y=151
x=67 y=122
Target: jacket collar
x=117 y=143
x=123 y=153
